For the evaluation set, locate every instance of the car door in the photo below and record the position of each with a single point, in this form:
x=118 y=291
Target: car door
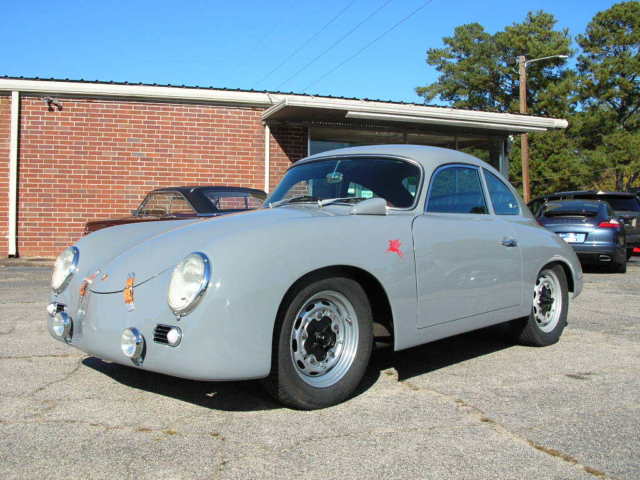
x=467 y=261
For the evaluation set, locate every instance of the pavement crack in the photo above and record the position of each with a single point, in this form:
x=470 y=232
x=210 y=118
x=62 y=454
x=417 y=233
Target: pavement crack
x=10 y=331
x=19 y=302
x=480 y=416
x=28 y=357
x=106 y=427
x=63 y=379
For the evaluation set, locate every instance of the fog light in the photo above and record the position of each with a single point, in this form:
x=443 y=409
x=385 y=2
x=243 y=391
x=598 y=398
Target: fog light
x=61 y=326
x=174 y=336
x=132 y=344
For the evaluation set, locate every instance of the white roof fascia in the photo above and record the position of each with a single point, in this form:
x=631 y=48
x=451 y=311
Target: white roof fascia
x=137 y=91
x=441 y=121
x=529 y=123
x=277 y=101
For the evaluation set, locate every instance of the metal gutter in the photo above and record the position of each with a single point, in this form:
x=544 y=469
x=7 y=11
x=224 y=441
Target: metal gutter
x=276 y=102
x=12 y=250
x=413 y=113
x=442 y=121
x=135 y=91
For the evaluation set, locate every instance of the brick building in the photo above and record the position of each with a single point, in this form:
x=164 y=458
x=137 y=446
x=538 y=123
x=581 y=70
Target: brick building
x=72 y=151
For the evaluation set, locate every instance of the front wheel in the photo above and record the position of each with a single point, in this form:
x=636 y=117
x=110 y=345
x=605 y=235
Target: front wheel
x=322 y=344
x=548 y=316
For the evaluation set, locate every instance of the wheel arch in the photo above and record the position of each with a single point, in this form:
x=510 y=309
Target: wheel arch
x=568 y=272
x=376 y=294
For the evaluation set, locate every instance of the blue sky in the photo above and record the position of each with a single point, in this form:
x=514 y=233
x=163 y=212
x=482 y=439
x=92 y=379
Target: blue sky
x=238 y=44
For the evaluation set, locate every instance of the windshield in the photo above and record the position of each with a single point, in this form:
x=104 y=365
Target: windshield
x=234 y=200
x=165 y=203
x=351 y=180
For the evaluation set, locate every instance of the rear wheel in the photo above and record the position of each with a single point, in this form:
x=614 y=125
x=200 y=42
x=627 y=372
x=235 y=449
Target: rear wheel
x=629 y=253
x=322 y=344
x=548 y=316
x=619 y=267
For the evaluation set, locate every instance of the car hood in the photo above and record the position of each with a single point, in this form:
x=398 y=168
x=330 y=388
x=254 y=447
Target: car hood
x=155 y=254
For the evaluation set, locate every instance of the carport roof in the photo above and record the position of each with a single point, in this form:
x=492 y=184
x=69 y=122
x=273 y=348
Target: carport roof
x=317 y=109
x=294 y=107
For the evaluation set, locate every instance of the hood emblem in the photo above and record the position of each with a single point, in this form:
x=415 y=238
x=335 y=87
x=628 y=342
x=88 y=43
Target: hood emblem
x=128 y=291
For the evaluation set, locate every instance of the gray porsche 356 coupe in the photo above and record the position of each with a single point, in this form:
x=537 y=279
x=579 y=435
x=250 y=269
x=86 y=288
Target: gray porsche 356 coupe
x=427 y=242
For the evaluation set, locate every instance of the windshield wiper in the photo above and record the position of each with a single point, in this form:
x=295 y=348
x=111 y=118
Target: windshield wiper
x=298 y=199
x=329 y=201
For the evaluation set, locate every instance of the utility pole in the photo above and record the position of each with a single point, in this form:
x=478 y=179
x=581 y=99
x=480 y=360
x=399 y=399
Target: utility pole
x=524 y=138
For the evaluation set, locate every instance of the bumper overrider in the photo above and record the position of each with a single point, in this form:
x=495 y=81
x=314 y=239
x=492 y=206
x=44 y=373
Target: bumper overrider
x=137 y=326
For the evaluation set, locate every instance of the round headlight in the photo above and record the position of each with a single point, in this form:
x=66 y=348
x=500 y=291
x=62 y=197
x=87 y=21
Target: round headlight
x=61 y=326
x=189 y=281
x=132 y=344
x=63 y=269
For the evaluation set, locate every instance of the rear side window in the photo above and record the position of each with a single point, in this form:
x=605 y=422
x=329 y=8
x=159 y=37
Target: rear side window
x=165 y=203
x=456 y=189
x=621 y=203
x=504 y=202
x=233 y=200
x=536 y=206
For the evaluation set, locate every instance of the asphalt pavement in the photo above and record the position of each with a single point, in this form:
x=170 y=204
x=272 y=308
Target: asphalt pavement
x=469 y=407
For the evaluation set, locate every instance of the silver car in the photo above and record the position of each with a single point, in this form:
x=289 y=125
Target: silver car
x=423 y=242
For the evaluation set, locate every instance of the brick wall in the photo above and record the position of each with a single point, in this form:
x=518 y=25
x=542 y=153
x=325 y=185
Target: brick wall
x=288 y=144
x=97 y=158
x=5 y=124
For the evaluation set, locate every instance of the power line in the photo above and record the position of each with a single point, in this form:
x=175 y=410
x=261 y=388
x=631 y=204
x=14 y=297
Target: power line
x=241 y=61
x=393 y=27
x=309 y=40
x=334 y=44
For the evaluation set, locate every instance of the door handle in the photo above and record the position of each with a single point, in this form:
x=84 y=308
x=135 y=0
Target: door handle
x=509 y=242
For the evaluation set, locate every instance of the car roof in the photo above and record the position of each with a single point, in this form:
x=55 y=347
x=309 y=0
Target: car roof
x=196 y=195
x=427 y=156
x=216 y=188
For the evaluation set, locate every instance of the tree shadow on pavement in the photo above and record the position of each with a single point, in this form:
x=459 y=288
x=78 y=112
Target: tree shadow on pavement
x=243 y=396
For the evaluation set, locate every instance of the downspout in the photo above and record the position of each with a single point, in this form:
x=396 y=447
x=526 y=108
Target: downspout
x=267 y=145
x=13 y=174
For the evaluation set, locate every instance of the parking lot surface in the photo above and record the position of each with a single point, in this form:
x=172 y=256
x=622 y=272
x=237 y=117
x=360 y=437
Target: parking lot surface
x=470 y=407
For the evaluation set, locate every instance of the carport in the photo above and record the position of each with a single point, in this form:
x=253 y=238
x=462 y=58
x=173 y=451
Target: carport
x=336 y=123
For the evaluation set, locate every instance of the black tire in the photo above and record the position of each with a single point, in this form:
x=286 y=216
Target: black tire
x=619 y=267
x=528 y=330
x=288 y=382
x=629 y=253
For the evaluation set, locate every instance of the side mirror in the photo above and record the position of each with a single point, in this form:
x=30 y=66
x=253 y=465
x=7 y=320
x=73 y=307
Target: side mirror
x=372 y=206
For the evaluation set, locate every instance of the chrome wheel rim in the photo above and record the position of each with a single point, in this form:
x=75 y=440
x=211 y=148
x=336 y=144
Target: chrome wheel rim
x=547 y=301
x=324 y=339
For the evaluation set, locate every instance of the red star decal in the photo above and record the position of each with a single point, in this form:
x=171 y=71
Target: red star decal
x=394 y=247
